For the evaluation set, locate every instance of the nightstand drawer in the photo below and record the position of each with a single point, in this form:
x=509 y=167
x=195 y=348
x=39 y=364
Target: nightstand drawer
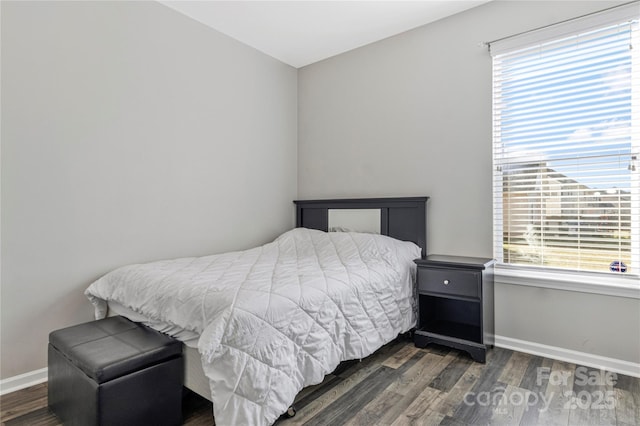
x=449 y=282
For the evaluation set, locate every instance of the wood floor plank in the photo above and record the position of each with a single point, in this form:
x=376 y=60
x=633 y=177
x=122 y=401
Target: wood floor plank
x=451 y=374
x=329 y=378
x=313 y=392
x=323 y=400
x=375 y=409
x=426 y=418
x=309 y=406
x=537 y=387
x=417 y=408
x=403 y=385
x=509 y=409
x=514 y=370
x=625 y=408
x=420 y=374
x=606 y=401
x=413 y=382
x=448 y=402
x=401 y=356
x=470 y=410
x=589 y=391
x=530 y=377
x=349 y=404
x=9 y=413
x=376 y=358
x=628 y=383
x=19 y=403
x=632 y=386
x=32 y=392
x=450 y=421
x=557 y=395
x=39 y=417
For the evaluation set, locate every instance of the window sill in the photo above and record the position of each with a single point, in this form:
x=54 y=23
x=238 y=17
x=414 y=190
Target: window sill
x=620 y=286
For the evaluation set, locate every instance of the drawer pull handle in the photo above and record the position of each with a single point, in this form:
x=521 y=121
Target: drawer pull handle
x=446 y=282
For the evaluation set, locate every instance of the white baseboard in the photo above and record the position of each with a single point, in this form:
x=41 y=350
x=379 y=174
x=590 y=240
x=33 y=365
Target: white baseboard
x=22 y=381
x=568 y=355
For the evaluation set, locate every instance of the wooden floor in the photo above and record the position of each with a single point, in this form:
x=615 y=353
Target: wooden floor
x=404 y=385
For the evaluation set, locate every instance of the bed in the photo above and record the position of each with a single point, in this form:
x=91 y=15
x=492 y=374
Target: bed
x=259 y=325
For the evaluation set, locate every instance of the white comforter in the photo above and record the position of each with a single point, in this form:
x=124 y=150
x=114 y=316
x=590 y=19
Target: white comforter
x=275 y=318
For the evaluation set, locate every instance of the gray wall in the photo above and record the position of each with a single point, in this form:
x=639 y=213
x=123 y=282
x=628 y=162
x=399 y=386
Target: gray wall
x=129 y=133
x=132 y=133
x=411 y=115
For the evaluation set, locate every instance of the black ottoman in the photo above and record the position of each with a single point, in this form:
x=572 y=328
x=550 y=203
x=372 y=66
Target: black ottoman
x=115 y=372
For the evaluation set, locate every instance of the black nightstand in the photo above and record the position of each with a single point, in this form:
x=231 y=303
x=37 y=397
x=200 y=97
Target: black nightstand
x=455 y=300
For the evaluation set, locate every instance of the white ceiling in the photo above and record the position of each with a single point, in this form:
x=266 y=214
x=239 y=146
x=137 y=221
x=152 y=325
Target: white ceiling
x=303 y=32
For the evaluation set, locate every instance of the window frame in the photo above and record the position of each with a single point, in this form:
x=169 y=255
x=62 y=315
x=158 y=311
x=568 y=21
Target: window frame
x=548 y=277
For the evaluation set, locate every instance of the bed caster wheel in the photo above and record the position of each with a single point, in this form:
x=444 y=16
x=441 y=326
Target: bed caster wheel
x=291 y=412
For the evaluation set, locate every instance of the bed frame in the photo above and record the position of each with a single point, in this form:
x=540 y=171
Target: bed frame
x=401 y=218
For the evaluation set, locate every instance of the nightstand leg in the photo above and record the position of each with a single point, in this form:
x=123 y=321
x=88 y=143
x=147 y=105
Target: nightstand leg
x=478 y=354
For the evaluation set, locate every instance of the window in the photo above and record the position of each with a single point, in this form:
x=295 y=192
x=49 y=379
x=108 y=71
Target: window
x=566 y=145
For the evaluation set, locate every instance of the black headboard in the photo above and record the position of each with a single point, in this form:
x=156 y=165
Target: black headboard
x=401 y=218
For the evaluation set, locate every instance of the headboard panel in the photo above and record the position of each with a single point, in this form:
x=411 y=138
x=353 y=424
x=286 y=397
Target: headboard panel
x=401 y=218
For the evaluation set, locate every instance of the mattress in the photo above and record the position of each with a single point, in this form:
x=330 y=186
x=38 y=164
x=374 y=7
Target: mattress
x=274 y=319
x=194 y=377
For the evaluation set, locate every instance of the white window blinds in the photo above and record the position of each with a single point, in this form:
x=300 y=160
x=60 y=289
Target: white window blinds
x=566 y=131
